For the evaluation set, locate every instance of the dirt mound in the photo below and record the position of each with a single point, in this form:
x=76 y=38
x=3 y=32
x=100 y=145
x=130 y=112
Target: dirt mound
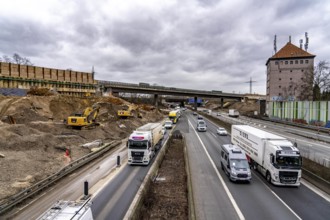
x=244 y=108
x=33 y=143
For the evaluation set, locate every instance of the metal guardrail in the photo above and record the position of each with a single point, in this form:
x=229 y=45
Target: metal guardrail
x=312 y=127
x=316 y=180
x=27 y=193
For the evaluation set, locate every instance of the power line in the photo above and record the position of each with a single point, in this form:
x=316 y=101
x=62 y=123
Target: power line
x=250 y=84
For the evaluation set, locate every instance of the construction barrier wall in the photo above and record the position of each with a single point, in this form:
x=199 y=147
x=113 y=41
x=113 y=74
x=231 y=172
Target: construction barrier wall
x=63 y=81
x=310 y=111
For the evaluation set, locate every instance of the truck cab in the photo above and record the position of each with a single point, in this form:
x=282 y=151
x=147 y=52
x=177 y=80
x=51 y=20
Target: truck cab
x=139 y=148
x=234 y=163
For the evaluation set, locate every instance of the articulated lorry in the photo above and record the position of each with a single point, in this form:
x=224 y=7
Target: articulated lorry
x=143 y=143
x=272 y=155
x=69 y=210
x=233 y=113
x=174 y=116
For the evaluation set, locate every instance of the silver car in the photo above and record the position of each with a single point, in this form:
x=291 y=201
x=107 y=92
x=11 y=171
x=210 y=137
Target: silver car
x=221 y=131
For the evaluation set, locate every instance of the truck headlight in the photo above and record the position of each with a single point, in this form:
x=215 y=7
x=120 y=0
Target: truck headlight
x=275 y=176
x=233 y=172
x=249 y=173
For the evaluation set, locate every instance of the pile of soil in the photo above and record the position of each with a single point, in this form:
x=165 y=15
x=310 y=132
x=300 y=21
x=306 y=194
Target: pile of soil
x=167 y=196
x=33 y=141
x=245 y=108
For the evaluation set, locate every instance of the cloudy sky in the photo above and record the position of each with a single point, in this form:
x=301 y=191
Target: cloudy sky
x=196 y=44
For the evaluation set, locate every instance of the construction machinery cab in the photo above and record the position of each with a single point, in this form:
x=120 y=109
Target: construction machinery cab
x=87 y=118
x=129 y=110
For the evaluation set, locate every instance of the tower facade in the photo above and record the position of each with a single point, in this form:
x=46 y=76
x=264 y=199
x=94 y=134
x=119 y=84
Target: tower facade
x=288 y=74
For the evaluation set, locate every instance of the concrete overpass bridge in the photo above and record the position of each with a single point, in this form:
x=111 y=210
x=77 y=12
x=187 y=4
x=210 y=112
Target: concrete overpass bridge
x=145 y=88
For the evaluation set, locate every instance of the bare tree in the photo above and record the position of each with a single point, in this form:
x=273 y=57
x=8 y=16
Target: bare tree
x=21 y=60
x=316 y=80
x=6 y=59
x=16 y=59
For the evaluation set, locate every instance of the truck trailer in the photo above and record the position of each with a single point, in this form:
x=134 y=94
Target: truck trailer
x=233 y=113
x=61 y=210
x=174 y=116
x=143 y=143
x=272 y=155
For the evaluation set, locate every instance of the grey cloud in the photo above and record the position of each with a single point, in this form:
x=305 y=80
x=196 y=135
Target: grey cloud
x=28 y=38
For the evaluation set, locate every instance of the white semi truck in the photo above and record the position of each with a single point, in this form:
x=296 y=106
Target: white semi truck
x=274 y=156
x=143 y=143
x=64 y=210
x=233 y=113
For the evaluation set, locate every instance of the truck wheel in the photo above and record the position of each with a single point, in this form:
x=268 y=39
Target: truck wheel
x=221 y=166
x=268 y=177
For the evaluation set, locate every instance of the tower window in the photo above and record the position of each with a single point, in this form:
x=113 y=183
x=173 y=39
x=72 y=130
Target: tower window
x=291 y=62
x=301 y=61
x=286 y=62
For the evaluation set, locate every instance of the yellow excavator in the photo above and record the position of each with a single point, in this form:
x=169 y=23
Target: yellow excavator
x=129 y=111
x=85 y=119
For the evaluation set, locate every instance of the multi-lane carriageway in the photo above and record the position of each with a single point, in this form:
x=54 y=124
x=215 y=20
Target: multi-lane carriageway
x=215 y=197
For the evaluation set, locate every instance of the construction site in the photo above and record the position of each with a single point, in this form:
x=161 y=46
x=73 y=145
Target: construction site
x=37 y=140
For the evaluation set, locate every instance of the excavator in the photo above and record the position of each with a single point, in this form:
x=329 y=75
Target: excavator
x=85 y=119
x=129 y=110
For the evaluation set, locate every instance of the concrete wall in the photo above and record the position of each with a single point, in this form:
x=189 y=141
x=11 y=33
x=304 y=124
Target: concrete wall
x=63 y=81
x=35 y=72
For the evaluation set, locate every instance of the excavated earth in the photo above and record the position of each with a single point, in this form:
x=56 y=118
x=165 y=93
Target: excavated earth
x=34 y=135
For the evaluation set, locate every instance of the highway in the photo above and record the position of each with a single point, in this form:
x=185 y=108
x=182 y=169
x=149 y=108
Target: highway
x=257 y=200
x=215 y=197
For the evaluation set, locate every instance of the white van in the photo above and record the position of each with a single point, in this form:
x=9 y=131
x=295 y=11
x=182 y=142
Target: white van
x=201 y=125
x=234 y=163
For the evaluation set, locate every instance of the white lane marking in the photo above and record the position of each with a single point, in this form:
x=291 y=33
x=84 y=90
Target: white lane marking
x=231 y=198
x=214 y=135
x=316 y=190
x=278 y=197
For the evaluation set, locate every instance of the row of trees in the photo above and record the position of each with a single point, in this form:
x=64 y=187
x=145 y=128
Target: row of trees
x=315 y=84
x=17 y=59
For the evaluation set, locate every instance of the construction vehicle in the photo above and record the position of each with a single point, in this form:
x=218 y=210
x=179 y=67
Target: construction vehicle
x=273 y=156
x=144 y=142
x=129 y=111
x=85 y=119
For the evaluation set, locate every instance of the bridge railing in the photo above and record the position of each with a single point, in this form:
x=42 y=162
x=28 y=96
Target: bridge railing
x=164 y=88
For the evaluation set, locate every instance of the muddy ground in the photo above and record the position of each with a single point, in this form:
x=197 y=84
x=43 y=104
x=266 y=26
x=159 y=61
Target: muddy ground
x=33 y=135
x=167 y=197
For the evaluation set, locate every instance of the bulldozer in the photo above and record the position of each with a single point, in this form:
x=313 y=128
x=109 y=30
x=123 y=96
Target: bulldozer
x=129 y=110
x=85 y=119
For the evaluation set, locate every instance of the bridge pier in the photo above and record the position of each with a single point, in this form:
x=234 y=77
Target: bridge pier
x=195 y=103
x=221 y=103
x=156 y=100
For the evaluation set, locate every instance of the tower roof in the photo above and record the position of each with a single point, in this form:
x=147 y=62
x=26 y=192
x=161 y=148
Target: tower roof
x=290 y=51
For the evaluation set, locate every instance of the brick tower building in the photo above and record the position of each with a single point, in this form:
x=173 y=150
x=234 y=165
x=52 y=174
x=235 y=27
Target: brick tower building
x=286 y=74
